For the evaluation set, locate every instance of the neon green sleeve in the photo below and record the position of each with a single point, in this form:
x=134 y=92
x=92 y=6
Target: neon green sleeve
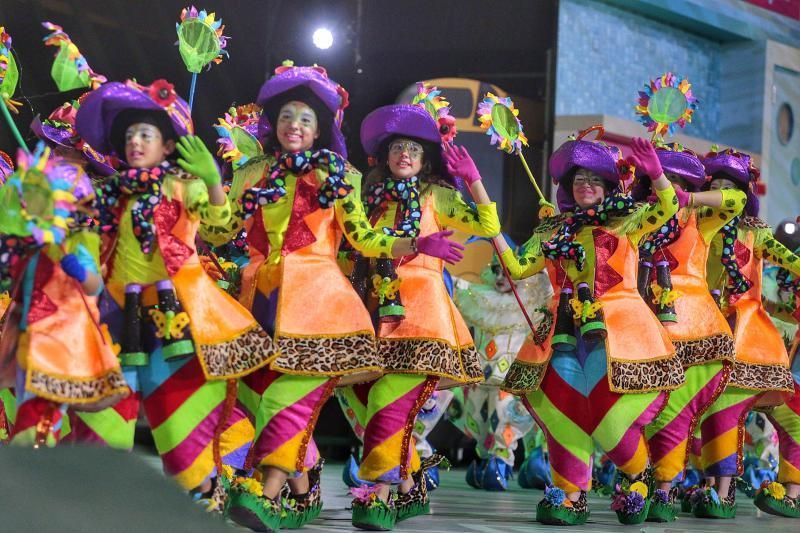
x=354 y=222
x=454 y=212
x=711 y=220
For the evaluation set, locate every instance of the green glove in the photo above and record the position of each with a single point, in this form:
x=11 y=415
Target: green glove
x=197 y=160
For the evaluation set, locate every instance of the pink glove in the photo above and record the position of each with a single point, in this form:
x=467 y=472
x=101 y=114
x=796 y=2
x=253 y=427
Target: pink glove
x=683 y=196
x=460 y=164
x=438 y=245
x=644 y=158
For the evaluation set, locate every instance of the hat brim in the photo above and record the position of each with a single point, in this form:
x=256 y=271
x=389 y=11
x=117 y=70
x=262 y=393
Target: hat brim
x=95 y=118
x=397 y=120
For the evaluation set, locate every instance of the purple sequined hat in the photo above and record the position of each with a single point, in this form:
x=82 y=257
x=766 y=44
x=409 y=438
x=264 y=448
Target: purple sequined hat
x=59 y=129
x=397 y=120
x=290 y=81
x=95 y=119
x=739 y=168
x=601 y=159
x=683 y=163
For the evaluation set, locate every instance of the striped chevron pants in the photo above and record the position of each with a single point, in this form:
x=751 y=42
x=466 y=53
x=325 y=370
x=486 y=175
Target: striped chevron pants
x=576 y=409
x=387 y=408
x=786 y=419
x=183 y=411
x=669 y=434
x=284 y=409
x=720 y=435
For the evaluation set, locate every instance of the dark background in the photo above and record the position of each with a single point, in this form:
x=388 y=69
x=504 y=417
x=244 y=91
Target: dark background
x=380 y=47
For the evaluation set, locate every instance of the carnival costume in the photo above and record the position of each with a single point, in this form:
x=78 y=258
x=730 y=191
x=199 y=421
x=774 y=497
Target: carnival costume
x=579 y=389
x=295 y=208
x=180 y=336
x=761 y=369
x=431 y=346
x=780 y=292
x=672 y=274
x=52 y=343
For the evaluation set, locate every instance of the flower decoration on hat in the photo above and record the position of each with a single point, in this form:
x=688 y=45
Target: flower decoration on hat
x=200 y=39
x=665 y=104
x=162 y=92
x=499 y=118
x=238 y=131
x=70 y=69
x=9 y=73
x=429 y=97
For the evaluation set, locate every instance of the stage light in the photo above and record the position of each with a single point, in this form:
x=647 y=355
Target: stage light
x=322 y=38
x=789 y=228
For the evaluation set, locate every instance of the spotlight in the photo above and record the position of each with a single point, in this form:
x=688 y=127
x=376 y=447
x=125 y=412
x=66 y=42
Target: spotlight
x=789 y=228
x=322 y=38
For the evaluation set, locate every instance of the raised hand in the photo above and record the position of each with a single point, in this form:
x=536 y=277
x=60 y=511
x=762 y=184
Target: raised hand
x=459 y=163
x=644 y=158
x=438 y=245
x=197 y=160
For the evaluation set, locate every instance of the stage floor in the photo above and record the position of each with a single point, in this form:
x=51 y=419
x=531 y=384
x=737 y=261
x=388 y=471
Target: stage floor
x=456 y=507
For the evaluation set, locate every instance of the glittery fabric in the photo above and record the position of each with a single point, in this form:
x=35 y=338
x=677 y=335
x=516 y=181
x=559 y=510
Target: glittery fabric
x=406 y=120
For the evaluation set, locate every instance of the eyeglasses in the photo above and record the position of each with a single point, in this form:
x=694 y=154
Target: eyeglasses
x=413 y=149
x=592 y=181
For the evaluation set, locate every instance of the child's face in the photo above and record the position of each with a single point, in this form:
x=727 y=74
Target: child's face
x=145 y=146
x=297 y=127
x=405 y=158
x=722 y=183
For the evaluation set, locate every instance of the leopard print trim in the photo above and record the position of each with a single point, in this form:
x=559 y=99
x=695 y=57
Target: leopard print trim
x=761 y=377
x=754 y=222
x=327 y=356
x=431 y=357
x=544 y=327
x=523 y=378
x=238 y=357
x=69 y=390
x=661 y=374
x=719 y=347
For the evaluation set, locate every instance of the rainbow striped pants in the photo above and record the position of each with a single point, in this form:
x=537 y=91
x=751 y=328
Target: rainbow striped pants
x=387 y=408
x=786 y=419
x=284 y=409
x=184 y=410
x=669 y=434
x=576 y=409
x=720 y=435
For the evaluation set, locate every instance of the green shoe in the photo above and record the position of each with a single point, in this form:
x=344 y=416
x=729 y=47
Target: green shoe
x=662 y=507
x=247 y=507
x=556 y=510
x=300 y=510
x=768 y=501
x=374 y=514
x=710 y=505
x=416 y=501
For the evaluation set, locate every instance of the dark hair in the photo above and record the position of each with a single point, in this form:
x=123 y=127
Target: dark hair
x=126 y=118
x=300 y=94
x=432 y=166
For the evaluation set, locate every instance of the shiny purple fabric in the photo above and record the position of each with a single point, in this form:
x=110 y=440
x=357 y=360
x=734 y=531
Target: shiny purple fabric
x=99 y=109
x=401 y=119
x=684 y=164
x=67 y=137
x=737 y=168
x=323 y=88
x=600 y=159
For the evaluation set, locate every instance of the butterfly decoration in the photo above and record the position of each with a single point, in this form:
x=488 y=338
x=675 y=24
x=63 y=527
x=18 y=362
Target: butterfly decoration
x=586 y=309
x=169 y=325
x=664 y=297
x=384 y=288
